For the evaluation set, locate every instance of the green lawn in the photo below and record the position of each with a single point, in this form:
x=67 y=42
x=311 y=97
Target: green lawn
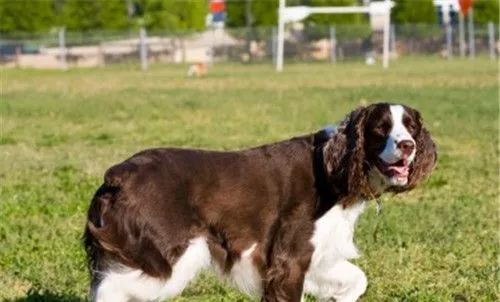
x=61 y=130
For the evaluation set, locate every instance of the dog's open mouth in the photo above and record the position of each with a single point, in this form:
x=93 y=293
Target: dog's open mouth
x=399 y=169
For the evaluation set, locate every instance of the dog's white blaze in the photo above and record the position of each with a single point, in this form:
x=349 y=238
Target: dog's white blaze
x=391 y=153
x=124 y=284
x=245 y=275
x=330 y=274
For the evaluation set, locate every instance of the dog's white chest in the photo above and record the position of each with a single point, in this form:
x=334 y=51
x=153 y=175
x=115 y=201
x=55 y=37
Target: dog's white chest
x=333 y=238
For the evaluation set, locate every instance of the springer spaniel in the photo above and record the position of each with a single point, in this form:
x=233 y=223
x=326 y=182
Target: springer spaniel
x=276 y=221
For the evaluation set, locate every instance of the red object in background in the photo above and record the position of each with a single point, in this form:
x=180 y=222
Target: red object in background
x=465 y=6
x=217 y=6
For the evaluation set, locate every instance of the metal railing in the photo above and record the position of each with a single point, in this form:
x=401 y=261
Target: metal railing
x=334 y=44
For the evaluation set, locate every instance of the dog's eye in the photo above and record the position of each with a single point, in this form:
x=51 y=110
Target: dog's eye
x=380 y=128
x=412 y=127
x=410 y=124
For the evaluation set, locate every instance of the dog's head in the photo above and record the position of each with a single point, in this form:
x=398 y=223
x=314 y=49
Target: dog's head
x=381 y=147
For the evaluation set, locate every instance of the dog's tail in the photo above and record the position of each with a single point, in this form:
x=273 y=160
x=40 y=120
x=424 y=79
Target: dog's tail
x=101 y=218
x=115 y=231
x=97 y=238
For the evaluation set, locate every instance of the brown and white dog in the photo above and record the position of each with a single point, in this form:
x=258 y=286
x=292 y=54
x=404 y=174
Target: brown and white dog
x=198 y=69
x=276 y=221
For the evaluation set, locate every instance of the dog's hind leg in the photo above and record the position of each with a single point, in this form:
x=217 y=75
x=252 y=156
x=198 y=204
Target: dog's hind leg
x=125 y=284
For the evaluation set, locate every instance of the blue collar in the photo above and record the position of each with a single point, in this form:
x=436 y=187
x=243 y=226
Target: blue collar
x=330 y=130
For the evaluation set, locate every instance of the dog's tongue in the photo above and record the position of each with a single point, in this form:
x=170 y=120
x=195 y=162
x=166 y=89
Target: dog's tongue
x=401 y=171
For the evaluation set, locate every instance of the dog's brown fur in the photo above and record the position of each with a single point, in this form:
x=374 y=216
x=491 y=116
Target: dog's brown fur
x=152 y=204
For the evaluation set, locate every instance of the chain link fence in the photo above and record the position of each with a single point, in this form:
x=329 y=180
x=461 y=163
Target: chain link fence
x=338 y=43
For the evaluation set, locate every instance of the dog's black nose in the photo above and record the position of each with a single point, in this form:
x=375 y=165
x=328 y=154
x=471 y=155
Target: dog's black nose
x=406 y=146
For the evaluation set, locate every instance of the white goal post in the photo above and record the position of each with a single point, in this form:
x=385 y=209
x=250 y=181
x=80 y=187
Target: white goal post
x=297 y=13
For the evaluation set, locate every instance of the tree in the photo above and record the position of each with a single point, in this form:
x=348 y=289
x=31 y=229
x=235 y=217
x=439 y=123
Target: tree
x=175 y=14
x=113 y=14
x=264 y=13
x=80 y=15
x=486 y=11
x=83 y=15
x=412 y=20
x=29 y=16
x=235 y=14
x=317 y=25
x=407 y=11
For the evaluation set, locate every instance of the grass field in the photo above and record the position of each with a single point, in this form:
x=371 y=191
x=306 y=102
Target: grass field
x=60 y=131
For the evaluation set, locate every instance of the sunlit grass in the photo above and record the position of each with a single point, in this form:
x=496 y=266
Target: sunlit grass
x=61 y=130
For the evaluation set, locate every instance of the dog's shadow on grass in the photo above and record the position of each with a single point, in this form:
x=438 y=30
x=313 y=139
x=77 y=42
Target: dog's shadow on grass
x=35 y=296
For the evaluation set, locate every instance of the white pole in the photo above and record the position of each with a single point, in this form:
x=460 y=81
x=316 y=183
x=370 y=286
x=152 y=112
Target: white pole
x=387 y=28
x=62 y=49
x=333 y=45
x=274 y=34
x=143 y=49
x=472 y=45
x=461 y=34
x=393 y=37
x=281 y=36
x=491 y=36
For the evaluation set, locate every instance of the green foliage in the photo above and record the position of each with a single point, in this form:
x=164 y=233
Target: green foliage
x=317 y=25
x=263 y=13
x=156 y=15
x=416 y=20
x=35 y=16
x=113 y=14
x=175 y=15
x=486 y=11
x=26 y=16
x=235 y=11
x=83 y=15
x=410 y=11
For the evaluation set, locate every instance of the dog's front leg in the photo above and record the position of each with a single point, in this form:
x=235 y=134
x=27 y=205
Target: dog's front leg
x=284 y=282
x=344 y=282
x=288 y=263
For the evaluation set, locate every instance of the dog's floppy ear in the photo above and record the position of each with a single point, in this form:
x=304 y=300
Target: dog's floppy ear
x=345 y=153
x=357 y=181
x=334 y=153
x=425 y=159
x=337 y=146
